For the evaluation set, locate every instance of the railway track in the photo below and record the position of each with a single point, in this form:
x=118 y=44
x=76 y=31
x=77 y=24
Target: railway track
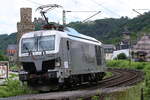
x=120 y=78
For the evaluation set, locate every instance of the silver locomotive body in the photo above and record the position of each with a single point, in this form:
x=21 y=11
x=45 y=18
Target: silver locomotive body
x=56 y=57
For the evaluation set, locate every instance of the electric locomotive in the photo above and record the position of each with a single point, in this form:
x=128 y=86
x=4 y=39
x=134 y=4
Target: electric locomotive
x=60 y=56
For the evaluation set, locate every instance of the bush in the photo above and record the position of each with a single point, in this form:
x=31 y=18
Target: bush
x=3 y=58
x=95 y=98
x=122 y=56
x=13 y=88
x=14 y=68
x=118 y=63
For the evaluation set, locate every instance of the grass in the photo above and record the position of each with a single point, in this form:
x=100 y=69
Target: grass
x=12 y=75
x=14 y=88
x=108 y=74
x=14 y=68
x=95 y=98
x=127 y=64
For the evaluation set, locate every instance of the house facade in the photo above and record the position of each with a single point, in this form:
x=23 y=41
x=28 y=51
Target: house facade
x=12 y=52
x=141 y=51
x=108 y=49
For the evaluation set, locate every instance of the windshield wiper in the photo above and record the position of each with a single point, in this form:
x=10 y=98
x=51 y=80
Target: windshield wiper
x=29 y=51
x=43 y=50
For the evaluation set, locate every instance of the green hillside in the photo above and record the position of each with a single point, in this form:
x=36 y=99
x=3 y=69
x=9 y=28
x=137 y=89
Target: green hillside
x=106 y=30
x=6 y=39
x=110 y=30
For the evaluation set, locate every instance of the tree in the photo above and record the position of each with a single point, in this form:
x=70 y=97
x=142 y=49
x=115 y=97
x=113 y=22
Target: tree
x=2 y=57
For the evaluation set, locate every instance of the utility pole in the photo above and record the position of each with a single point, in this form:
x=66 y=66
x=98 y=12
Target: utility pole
x=128 y=37
x=64 y=17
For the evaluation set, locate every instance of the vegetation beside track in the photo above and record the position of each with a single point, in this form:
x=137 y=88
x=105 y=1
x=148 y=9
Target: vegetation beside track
x=13 y=87
x=108 y=74
x=144 y=66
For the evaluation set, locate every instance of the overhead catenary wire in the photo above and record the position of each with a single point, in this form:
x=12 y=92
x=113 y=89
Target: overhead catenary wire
x=143 y=9
x=95 y=2
x=36 y=3
x=92 y=16
x=81 y=11
x=136 y=10
x=33 y=2
x=64 y=15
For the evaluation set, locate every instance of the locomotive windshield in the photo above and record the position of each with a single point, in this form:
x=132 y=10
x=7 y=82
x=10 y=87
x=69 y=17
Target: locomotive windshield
x=28 y=44
x=46 y=43
x=42 y=43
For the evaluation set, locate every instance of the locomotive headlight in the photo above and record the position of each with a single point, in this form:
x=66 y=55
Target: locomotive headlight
x=23 y=72
x=57 y=64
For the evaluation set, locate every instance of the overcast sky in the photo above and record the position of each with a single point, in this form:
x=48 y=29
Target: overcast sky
x=10 y=10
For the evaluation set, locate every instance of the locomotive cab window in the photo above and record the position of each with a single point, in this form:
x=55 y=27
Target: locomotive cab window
x=28 y=44
x=36 y=44
x=98 y=55
x=46 y=43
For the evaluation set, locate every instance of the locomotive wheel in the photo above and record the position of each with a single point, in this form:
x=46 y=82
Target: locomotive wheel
x=68 y=82
x=61 y=86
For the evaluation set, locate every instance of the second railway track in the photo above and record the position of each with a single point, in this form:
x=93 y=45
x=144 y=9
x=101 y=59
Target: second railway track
x=120 y=78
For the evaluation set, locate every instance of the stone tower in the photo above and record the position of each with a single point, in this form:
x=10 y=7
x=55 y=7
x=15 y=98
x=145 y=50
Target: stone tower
x=26 y=15
x=25 y=24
